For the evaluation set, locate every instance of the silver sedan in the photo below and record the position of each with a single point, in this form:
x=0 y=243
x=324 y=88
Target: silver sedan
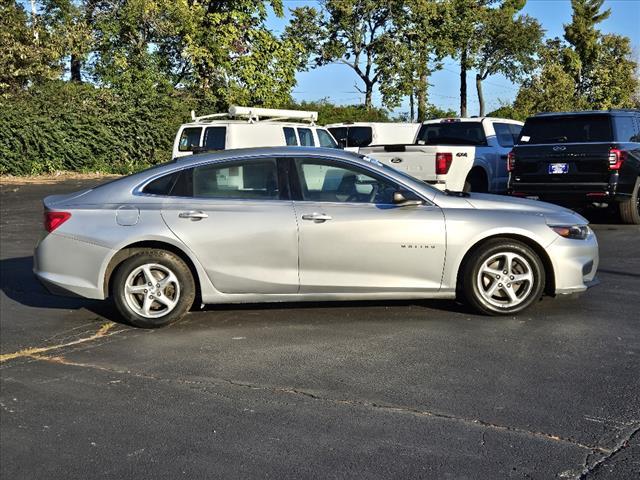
x=297 y=224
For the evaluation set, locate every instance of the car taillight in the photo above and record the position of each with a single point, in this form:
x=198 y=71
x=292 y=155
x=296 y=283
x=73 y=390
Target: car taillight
x=53 y=220
x=616 y=158
x=443 y=162
x=511 y=161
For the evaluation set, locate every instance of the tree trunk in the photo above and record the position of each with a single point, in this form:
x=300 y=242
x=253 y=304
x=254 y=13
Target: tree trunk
x=422 y=95
x=368 y=96
x=76 y=66
x=463 y=83
x=480 y=94
x=411 y=108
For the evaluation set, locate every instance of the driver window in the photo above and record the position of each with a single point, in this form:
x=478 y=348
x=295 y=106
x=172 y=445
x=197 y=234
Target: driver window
x=323 y=181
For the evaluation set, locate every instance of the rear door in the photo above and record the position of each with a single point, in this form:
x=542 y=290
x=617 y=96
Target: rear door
x=238 y=220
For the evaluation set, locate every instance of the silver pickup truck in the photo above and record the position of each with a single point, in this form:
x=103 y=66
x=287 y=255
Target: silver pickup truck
x=458 y=154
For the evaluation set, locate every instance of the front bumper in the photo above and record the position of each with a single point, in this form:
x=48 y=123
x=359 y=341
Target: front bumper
x=575 y=264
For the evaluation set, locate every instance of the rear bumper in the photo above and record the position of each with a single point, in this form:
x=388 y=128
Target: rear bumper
x=70 y=267
x=568 y=193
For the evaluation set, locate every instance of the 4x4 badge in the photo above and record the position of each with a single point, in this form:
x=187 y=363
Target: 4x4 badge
x=559 y=148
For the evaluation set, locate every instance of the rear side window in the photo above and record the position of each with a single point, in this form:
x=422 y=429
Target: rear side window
x=452 y=133
x=503 y=134
x=306 y=137
x=567 y=129
x=214 y=138
x=162 y=185
x=359 y=136
x=189 y=138
x=325 y=139
x=626 y=129
x=252 y=179
x=290 y=136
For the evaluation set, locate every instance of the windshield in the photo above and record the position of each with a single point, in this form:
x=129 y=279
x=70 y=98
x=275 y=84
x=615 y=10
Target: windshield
x=451 y=133
x=566 y=129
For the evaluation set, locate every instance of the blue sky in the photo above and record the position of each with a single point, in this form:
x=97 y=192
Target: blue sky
x=336 y=82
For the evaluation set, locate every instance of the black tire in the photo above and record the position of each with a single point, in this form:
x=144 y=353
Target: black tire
x=476 y=182
x=630 y=209
x=179 y=290
x=523 y=259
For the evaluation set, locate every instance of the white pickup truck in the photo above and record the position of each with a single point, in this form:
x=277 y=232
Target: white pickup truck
x=457 y=154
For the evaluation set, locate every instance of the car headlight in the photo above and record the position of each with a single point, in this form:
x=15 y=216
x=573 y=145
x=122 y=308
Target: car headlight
x=575 y=232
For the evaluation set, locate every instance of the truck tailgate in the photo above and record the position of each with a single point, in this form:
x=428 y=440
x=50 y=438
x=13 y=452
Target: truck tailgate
x=416 y=160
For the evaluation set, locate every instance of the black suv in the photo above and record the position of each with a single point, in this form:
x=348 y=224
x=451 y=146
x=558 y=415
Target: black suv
x=580 y=158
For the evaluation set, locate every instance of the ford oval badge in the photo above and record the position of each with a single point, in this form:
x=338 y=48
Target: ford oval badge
x=396 y=160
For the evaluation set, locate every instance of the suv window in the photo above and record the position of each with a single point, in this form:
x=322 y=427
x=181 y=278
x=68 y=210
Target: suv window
x=249 y=179
x=359 y=136
x=503 y=134
x=306 y=137
x=325 y=139
x=567 y=129
x=451 y=133
x=340 y=134
x=515 y=131
x=323 y=181
x=214 y=138
x=290 y=136
x=626 y=129
x=189 y=138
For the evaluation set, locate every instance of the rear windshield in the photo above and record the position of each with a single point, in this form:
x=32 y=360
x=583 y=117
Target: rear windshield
x=566 y=129
x=451 y=133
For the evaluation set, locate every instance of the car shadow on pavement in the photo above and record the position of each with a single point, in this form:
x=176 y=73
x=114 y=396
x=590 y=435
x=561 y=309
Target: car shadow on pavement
x=18 y=282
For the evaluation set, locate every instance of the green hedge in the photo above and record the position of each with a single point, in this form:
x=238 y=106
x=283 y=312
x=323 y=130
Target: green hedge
x=73 y=127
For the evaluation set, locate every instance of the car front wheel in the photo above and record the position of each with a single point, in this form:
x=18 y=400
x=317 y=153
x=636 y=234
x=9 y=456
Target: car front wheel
x=503 y=277
x=153 y=288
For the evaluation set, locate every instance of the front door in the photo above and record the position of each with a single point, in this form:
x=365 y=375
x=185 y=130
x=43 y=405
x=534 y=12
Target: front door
x=354 y=239
x=240 y=225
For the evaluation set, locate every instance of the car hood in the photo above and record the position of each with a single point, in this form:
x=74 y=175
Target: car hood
x=554 y=214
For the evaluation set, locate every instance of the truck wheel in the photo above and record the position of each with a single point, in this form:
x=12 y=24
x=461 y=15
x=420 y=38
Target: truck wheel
x=502 y=277
x=630 y=209
x=153 y=288
x=476 y=182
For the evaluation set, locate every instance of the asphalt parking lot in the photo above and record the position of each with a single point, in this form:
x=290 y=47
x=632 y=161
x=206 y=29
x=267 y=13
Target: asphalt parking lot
x=342 y=390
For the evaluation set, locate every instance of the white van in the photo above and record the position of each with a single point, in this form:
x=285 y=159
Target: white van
x=245 y=127
x=353 y=135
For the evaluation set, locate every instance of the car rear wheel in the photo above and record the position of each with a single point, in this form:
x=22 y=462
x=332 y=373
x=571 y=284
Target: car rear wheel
x=153 y=288
x=630 y=209
x=503 y=277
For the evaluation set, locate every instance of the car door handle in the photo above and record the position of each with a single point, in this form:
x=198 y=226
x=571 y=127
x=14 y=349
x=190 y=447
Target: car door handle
x=316 y=217
x=193 y=215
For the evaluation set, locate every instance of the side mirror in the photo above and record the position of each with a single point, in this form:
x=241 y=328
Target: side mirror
x=404 y=198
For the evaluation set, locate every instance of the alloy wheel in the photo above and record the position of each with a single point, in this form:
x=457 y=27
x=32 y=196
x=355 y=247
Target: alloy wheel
x=505 y=279
x=152 y=290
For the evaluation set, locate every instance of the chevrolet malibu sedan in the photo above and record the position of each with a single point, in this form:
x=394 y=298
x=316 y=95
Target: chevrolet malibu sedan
x=298 y=224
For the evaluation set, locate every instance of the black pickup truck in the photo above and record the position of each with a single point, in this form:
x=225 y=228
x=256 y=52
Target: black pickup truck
x=580 y=158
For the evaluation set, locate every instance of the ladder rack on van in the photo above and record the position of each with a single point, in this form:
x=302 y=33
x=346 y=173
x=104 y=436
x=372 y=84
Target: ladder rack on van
x=259 y=114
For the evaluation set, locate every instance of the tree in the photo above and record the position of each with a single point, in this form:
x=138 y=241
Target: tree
x=464 y=27
x=355 y=33
x=416 y=45
x=28 y=53
x=582 y=34
x=506 y=45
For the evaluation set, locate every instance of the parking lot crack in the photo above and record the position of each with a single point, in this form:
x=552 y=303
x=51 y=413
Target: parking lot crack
x=384 y=407
x=105 y=330
x=590 y=469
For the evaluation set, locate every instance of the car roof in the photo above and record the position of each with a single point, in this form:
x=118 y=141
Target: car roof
x=260 y=151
